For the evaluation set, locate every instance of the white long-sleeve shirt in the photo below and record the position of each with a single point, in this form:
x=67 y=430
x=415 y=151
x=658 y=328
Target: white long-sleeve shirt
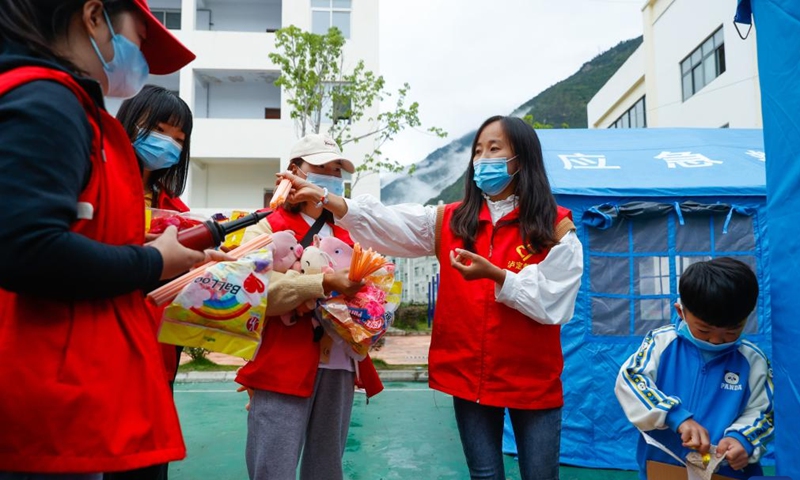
x=545 y=292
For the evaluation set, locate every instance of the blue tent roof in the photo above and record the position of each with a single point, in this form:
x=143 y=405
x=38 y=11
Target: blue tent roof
x=655 y=162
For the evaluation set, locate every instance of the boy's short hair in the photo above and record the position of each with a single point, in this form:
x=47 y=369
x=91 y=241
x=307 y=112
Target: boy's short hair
x=721 y=292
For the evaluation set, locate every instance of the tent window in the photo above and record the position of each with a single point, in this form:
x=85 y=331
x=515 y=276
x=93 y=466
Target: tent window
x=635 y=265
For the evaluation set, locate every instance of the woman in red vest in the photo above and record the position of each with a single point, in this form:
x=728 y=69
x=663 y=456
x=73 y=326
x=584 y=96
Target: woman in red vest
x=301 y=384
x=512 y=278
x=85 y=390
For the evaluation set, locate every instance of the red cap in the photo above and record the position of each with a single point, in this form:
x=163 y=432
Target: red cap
x=164 y=53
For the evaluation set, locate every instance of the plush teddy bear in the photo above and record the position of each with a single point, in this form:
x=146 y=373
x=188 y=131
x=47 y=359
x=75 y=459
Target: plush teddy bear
x=314 y=261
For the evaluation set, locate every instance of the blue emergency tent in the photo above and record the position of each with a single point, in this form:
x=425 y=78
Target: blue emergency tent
x=778 y=25
x=647 y=203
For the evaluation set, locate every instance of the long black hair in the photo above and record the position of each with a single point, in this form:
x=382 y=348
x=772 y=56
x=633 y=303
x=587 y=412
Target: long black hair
x=38 y=24
x=143 y=112
x=537 y=206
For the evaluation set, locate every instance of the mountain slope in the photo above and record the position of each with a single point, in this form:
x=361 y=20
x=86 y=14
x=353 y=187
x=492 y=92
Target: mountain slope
x=440 y=176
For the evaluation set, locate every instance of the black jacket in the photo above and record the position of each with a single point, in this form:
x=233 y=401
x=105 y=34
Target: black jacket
x=45 y=163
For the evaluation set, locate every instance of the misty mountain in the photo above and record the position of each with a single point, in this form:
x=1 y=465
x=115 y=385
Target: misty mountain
x=440 y=176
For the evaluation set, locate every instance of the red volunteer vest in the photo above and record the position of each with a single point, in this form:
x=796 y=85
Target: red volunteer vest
x=167 y=202
x=84 y=387
x=482 y=350
x=168 y=352
x=288 y=358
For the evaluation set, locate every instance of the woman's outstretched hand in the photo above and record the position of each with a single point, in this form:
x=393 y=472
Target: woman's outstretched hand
x=472 y=266
x=302 y=190
x=305 y=191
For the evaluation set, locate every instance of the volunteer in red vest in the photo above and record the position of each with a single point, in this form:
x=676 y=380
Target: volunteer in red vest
x=511 y=266
x=84 y=390
x=302 y=384
x=159 y=124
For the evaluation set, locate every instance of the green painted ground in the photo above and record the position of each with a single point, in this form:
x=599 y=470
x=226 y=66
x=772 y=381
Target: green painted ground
x=406 y=432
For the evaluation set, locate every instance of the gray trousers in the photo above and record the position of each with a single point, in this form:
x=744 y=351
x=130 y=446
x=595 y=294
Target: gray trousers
x=281 y=427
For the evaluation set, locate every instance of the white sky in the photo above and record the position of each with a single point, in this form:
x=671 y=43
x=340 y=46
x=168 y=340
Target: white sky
x=467 y=60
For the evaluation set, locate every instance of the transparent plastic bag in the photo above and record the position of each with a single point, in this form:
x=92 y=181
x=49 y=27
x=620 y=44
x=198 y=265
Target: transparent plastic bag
x=363 y=319
x=222 y=310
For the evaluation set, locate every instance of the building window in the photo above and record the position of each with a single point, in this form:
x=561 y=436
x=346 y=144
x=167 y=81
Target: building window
x=337 y=105
x=634 y=117
x=169 y=18
x=635 y=265
x=703 y=65
x=330 y=13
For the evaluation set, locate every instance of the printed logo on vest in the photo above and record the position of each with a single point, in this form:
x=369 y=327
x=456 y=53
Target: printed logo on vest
x=523 y=252
x=731 y=382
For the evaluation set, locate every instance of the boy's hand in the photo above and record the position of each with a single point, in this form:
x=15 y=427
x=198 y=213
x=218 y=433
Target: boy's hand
x=736 y=454
x=694 y=436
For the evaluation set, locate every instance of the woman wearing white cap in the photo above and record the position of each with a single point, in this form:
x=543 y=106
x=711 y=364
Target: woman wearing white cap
x=301 y=384
x=84 y=388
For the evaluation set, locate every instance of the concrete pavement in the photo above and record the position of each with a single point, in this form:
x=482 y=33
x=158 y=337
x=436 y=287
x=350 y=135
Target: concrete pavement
x=397 y=350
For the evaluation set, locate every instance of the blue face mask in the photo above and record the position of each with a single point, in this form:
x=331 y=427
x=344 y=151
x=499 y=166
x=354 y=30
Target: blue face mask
x=157 y=151
x=335 y=185
x=685 y=332
x=128 y=70
x=491 y=174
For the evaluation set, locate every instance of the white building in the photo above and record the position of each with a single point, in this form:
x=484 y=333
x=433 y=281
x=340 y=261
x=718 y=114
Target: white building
x=692 y=70
x=416 y=275
x=242 y=126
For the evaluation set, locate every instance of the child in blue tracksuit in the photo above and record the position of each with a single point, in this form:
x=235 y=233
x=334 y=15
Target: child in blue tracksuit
x=697 y=384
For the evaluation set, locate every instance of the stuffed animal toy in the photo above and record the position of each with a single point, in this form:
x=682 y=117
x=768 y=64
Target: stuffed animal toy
x=314 y=261
x=340 y=253
x=286 y=253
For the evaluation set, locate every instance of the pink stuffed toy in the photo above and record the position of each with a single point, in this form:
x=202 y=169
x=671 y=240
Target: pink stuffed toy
x=340 y=253
x=286 y=253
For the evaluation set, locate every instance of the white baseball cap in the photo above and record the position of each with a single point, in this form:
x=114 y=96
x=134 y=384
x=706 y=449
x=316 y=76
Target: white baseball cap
x=318 y=149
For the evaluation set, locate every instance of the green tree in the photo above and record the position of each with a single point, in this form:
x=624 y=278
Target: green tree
x=537 y=125
x=318 y=87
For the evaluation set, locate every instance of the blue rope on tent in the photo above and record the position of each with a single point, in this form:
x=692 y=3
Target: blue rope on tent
x=738 y=209
x=679 y=213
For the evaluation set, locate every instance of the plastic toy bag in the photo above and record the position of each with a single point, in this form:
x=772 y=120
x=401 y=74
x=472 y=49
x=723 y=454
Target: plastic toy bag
x=222 y=310
x=363 y=319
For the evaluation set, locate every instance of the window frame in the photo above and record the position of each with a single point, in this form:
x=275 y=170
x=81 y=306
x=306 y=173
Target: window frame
x=338 y=110
x=162 y=13
x=694 y=67
x=630 y=117
x=330 y=9
x=679 y=256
